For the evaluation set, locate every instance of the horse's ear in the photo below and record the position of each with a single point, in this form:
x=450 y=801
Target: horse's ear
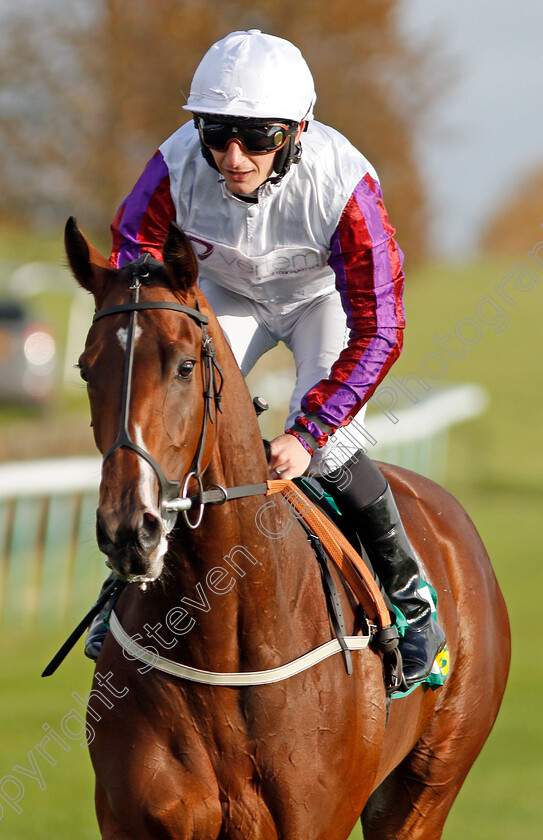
x=85 y=261
x=179 y=259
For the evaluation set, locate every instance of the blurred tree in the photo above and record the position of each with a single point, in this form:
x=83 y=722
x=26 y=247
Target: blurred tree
x=515 y=225
x=85 y=99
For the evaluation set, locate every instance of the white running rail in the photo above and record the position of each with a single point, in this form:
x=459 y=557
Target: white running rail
x=50 y=569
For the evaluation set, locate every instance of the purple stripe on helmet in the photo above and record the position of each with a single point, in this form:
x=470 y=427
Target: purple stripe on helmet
x=136 y=206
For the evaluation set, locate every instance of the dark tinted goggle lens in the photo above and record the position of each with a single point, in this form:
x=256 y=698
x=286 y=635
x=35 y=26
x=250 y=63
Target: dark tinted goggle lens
x=255 y=139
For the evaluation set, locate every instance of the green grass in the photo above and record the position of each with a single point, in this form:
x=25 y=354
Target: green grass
x=505 y=445
x=501 y=796
x=21 y=244
x=64 y=808
x=496 y=469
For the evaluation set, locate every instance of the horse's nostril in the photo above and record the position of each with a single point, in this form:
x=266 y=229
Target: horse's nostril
x=151 y=530
x=105 y=543
x=150 y=519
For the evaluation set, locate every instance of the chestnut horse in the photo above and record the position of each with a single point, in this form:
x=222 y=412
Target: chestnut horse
x=302 y=757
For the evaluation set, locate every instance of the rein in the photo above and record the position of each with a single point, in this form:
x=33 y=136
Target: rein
x=169 y=489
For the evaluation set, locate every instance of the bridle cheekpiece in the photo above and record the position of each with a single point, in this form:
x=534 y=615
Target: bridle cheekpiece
x=169 y=490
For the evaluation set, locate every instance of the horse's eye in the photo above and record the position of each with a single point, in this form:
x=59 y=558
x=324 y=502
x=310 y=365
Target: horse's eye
x=82 y=373
x=185 y=369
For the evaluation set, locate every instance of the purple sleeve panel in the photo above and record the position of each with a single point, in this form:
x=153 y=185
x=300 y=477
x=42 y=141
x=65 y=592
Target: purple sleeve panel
x=368 y=266
x=142 y=221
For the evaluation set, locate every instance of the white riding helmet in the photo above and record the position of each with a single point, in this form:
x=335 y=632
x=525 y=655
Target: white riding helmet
x=249 y=74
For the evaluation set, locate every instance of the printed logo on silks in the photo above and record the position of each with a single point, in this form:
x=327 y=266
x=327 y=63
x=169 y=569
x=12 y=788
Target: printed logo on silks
x=201 y=248
x=283 y=276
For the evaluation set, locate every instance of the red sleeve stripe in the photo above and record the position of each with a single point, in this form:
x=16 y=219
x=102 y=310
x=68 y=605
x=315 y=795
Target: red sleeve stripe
x=142 y=221
x=369 y=278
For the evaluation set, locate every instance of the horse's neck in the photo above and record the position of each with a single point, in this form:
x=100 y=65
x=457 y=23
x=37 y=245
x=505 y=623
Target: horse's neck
x=232 y=583
x=238 y=456
x=238 y=460
x=224 y=576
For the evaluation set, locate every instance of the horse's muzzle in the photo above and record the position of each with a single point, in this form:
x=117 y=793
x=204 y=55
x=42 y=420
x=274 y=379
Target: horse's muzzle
x=134 y=546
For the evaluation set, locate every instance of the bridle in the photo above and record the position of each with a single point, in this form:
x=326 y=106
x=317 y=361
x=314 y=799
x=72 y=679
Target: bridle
x=169 y=490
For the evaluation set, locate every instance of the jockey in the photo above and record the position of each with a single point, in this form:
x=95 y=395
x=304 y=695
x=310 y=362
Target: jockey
x=293 y=242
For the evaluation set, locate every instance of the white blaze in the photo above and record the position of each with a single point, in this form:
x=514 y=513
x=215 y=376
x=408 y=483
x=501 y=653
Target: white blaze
x=146 y=488
x=122 y=335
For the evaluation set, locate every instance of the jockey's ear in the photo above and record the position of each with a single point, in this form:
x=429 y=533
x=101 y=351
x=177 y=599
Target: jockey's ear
x=179 y=259
x=89 y=267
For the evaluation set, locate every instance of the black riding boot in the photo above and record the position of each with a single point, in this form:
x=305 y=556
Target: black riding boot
x=98 y=628
x=380 y=529
x=384 y=538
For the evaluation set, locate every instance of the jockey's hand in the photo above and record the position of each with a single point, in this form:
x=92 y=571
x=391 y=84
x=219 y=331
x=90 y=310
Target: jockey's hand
x=288 y=458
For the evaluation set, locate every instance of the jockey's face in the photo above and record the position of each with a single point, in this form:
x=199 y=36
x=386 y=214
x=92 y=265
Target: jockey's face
x=242 y=172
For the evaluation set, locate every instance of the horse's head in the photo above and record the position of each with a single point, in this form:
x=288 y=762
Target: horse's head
x=147 y=364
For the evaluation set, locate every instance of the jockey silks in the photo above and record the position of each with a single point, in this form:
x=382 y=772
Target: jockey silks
x=321 y=232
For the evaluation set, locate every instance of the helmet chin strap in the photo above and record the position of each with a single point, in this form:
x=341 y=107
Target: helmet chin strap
x=284 y=158
x=208 y=157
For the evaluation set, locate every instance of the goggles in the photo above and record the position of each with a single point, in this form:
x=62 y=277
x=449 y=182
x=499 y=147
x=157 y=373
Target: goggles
x=254 y=139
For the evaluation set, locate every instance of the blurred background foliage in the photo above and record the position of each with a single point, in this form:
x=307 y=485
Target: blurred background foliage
x=87 y=97
x=510 y=228
x=87 y=93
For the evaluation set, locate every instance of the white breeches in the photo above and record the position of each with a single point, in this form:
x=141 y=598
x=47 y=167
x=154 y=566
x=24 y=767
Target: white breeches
x=315 y=332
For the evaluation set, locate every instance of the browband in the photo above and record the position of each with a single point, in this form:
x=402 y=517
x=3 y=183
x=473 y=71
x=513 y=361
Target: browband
x=151 y=304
